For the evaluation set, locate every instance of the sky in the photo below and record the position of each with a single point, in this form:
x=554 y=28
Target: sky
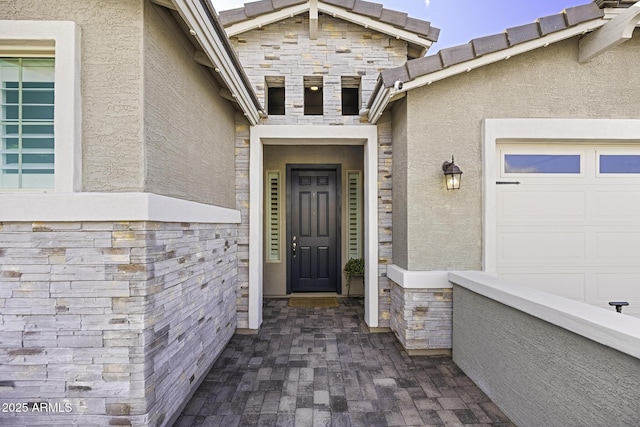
x=463 y=20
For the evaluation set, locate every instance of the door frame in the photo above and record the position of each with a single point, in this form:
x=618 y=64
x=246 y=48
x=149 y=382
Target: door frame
x=310 y=167
x=324 y=135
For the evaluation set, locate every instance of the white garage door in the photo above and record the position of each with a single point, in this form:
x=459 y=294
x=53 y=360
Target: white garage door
x=572 y=225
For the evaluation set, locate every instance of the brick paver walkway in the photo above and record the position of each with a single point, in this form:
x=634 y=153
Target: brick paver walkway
x=321 y=367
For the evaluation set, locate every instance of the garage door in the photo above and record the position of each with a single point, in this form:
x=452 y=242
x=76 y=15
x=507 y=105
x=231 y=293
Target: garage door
x=568 y=220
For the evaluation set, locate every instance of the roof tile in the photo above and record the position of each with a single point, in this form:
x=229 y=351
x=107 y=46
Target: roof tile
x=586 y=12
x=347 y=4
x=366 y=8
x=481 y=46
x=457 y=54
x=228 y=17
x=392 y=75
x=395 y=18
x=425 y=65
x=258 y=8
x=418 y=26
x=523 y=33
x=373 y=10
x=434 y=34
x=484 y=45
x=551 y=24
x=280 y=4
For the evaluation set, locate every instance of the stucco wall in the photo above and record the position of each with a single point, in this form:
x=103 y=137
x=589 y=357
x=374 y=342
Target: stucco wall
x=276 y=158
x=341 y=49
x=111 y=42
x=445 y=119
x=541 y=374
x=400 y=241
x=189 y=129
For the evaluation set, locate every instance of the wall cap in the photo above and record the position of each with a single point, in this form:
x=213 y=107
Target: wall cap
x=409 y=279
x=618 y=331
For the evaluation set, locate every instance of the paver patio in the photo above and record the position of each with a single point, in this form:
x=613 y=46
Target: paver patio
x=321 y=367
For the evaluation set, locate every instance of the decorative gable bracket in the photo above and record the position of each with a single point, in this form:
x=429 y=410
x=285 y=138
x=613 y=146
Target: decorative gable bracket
x=615 y=32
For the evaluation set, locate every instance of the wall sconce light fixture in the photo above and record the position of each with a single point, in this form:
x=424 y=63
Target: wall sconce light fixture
x=452 y=174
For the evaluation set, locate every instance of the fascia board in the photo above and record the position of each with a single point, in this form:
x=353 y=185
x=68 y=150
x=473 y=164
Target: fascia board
x=197 y=19
x=366 y=22
x=504 y=54
x=380 y=101
x=266 y=19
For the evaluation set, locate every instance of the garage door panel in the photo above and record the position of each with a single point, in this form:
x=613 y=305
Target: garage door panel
x=568 y=285
x=577 y=235
x=618 y=286
x=618 y=204
x=621 y=247
x=543 y=204
x=514 y=246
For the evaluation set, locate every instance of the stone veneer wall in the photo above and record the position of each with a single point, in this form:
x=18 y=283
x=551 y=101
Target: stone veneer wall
x=385 y=214
x=283 y=49
x=422 y=318
x=118 y=319
x=242 y=205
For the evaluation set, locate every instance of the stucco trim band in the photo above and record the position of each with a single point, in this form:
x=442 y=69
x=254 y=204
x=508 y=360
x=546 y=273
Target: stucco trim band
x=75 y=207
x=618 y=331
x=418 y=279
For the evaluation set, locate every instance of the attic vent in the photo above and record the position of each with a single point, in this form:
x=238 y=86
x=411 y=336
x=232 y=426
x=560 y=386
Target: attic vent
x=275 y=95
x=313 y=98
x=350 y=95
x=354 y=213
x=273 y=216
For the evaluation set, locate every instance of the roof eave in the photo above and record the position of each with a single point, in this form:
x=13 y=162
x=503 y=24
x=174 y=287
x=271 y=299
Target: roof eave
x=504 y=54
x=259 y=21
x=201 y=19
x=266 y=19
x=390 y=30
x=490 y=58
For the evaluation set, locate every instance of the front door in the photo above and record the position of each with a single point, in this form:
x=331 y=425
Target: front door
x=313 y=229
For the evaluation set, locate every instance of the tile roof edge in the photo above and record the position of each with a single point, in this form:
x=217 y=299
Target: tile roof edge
x=572 y=17
x=419 y=27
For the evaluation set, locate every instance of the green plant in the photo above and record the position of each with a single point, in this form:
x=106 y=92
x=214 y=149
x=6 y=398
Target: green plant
x=353 y=267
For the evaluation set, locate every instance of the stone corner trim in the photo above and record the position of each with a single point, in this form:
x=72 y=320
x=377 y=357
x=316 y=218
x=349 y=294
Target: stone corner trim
x=71 y=207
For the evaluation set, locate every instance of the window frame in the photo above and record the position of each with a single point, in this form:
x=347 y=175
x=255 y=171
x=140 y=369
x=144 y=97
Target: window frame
x=60 y=40
x=610 y=151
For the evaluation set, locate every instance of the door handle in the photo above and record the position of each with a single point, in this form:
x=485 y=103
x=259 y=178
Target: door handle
x=294 y=245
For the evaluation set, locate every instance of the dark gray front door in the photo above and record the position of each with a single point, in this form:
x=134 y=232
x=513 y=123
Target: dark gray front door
x=313 y=230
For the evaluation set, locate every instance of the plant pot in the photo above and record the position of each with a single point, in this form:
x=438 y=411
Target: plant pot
x=356 y=288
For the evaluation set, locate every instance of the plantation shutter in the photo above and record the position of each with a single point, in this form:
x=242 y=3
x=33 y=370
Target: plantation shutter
x=273 y=216
x=353 y=214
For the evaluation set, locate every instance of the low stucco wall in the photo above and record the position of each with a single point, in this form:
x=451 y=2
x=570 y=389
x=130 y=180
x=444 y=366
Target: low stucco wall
x=542 y=374
x=113 y=323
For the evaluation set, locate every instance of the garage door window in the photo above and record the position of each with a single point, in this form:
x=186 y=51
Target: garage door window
x=542 y=163
x=619 y=164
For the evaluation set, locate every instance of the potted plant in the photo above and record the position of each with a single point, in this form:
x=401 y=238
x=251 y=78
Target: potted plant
x=353 y=267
